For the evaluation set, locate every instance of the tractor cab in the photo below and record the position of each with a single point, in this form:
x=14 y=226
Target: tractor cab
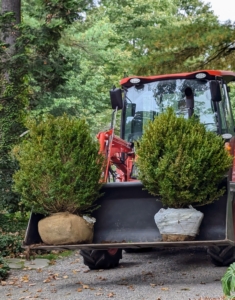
x=203 y=93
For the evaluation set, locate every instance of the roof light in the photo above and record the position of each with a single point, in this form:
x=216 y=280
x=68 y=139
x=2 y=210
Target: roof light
x=200 y=75
x=227 y=136
x=134 y=80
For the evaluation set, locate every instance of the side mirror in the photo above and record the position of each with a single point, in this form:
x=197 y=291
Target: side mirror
x=116 y=98
x=130 y=109
x=215 y=91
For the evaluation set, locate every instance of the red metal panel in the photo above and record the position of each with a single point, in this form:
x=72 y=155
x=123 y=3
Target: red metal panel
x=229 y=74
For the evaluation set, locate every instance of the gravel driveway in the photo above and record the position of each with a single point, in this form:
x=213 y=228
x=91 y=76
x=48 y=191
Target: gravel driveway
x=179 y=274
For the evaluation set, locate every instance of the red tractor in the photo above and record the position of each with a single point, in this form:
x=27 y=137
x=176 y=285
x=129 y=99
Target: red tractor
x=125 y=219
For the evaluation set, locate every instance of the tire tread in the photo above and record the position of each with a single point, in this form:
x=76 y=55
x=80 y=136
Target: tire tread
x=100 y=259
x=221 y=255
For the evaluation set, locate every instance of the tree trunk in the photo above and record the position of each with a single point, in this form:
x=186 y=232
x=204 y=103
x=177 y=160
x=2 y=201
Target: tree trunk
x=10 y=36
x=11 y=106
x=12 y=5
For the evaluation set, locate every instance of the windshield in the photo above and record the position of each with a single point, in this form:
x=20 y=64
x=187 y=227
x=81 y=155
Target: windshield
x=146 y=101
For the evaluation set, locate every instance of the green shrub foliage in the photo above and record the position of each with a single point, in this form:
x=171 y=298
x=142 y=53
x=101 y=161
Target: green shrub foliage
x=4 y=269
x=60 y=168
x=228 y=282
x=10 y=244
x=181 y=162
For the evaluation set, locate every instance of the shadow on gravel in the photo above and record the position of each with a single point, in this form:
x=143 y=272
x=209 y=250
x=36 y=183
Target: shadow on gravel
x=128 y=264
x=157 y=280
x=159 y=268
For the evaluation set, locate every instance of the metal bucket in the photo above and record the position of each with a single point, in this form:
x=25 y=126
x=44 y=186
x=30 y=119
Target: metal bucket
x=125 y=219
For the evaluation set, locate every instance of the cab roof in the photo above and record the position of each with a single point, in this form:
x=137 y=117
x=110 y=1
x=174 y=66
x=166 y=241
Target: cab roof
x=210 y=75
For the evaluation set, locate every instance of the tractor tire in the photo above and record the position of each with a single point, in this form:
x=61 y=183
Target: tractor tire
x=101 y=259
x=221 y=256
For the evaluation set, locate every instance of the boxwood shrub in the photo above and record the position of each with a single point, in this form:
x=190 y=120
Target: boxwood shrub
x=60 y=167
x=182 y=162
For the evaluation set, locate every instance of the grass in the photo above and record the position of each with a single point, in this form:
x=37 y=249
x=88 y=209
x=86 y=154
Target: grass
x=53 y=255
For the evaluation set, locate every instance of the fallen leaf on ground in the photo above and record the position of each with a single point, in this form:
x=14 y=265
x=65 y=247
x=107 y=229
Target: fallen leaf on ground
x=39 y=270
x=101 y=278
x=110 y=295
x=25 y=278
x=165 y=289
x=79 y=290
x=85 y=287
x=149 y=273
x=65 y=277
x=152 y=284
